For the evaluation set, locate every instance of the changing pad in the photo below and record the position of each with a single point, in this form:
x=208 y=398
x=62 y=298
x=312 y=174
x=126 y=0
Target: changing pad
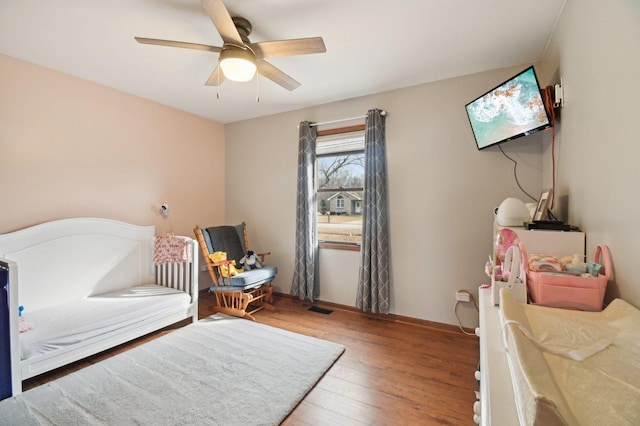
x=64 y=325
x=572 y=367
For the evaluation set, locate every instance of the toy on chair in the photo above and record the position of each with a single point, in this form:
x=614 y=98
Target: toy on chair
x=250 y=261
x=227 y=267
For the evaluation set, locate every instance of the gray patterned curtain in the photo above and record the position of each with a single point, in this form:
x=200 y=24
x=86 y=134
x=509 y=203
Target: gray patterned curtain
x=373 y=284
x=305 y=274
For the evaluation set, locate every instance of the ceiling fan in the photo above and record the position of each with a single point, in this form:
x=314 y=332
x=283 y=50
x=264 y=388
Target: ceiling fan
x=239 y=58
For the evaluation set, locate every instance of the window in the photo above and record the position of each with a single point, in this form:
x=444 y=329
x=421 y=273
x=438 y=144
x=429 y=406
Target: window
x=340 y=187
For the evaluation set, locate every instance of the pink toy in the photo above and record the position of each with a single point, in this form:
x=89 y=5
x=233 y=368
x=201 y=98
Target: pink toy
x=505 y=238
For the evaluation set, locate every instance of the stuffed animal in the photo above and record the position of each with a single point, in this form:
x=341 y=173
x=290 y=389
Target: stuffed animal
x=250 y=261
x=227 y=270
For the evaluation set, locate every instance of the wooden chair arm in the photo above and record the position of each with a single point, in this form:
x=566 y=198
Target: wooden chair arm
x=262 y=255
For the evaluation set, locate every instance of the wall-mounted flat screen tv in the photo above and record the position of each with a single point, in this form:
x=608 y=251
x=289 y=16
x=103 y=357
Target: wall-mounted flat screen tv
x=513 y=109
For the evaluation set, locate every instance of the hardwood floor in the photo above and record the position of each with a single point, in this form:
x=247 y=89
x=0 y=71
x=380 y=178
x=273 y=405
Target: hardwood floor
x=391 y=373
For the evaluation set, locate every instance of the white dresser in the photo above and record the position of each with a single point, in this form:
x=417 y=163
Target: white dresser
x=497 y=406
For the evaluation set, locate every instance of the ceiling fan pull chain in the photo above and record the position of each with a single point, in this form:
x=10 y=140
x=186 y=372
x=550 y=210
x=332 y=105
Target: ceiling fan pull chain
x=257 y=87
x=218 y=87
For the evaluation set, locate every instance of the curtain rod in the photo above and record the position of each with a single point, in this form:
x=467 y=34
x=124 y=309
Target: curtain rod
x=342 y=119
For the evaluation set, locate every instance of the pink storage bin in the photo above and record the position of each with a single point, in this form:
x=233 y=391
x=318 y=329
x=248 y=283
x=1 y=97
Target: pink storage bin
x=567 y=291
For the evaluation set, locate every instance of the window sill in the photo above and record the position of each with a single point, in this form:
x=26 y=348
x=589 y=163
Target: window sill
x=338 y=246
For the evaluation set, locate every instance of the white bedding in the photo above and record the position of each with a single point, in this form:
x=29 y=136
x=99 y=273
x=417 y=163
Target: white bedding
x=554 y=387
x=60 y=326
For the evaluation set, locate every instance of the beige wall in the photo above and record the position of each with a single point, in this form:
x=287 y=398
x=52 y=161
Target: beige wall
x=442 y=193
x=596 y=50
x=72 y=148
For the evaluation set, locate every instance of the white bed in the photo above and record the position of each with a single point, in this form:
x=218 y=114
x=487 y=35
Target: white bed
x=572 y=367
x=96 y=316
x=89 y=284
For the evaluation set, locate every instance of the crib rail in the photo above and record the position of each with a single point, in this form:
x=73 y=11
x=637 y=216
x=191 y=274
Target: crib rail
x=181 y=275
x=176 y=275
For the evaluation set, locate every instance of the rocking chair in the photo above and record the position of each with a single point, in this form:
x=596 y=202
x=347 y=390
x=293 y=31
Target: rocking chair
x=247 y=292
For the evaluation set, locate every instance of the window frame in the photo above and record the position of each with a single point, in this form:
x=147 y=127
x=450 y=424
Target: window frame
x=335 y=245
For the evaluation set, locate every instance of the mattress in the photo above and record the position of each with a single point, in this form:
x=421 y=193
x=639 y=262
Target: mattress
x=61 y=326
x=572 y=367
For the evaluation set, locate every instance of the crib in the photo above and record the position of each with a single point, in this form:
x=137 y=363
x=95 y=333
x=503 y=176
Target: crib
x=83 y=285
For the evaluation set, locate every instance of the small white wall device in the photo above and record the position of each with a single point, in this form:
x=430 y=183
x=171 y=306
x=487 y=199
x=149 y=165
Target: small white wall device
x=164 y=210
x=558 y=92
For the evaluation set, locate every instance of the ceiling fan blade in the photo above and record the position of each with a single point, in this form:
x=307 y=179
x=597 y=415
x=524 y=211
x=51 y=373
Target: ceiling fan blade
x=277 y=76
x=216 y=78
x=222 y=21
x=292 y=47
x=183 y=44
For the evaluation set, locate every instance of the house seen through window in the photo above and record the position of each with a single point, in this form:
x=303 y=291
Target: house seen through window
x=340 y=187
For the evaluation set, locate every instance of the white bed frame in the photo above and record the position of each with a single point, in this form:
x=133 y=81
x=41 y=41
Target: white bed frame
x=56 y=262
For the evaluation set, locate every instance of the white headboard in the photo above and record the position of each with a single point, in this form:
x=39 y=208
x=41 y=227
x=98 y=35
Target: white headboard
x=72 y=258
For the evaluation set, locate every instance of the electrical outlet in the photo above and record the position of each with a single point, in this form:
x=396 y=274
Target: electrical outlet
x=462 y=296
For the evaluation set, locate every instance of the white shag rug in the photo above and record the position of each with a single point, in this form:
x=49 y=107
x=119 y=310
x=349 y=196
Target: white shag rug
x=220 y=371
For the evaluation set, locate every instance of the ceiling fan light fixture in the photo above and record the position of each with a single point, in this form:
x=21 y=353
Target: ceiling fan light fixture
x=238 y=64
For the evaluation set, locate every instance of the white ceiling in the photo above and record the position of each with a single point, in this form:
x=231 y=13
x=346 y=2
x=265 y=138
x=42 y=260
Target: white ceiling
x=372 y=46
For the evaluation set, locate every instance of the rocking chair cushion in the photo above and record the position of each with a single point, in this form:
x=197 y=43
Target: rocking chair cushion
x=254 y=277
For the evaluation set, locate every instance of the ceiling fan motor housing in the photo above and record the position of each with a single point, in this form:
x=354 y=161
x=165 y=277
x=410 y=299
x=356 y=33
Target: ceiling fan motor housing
x=243 y=26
